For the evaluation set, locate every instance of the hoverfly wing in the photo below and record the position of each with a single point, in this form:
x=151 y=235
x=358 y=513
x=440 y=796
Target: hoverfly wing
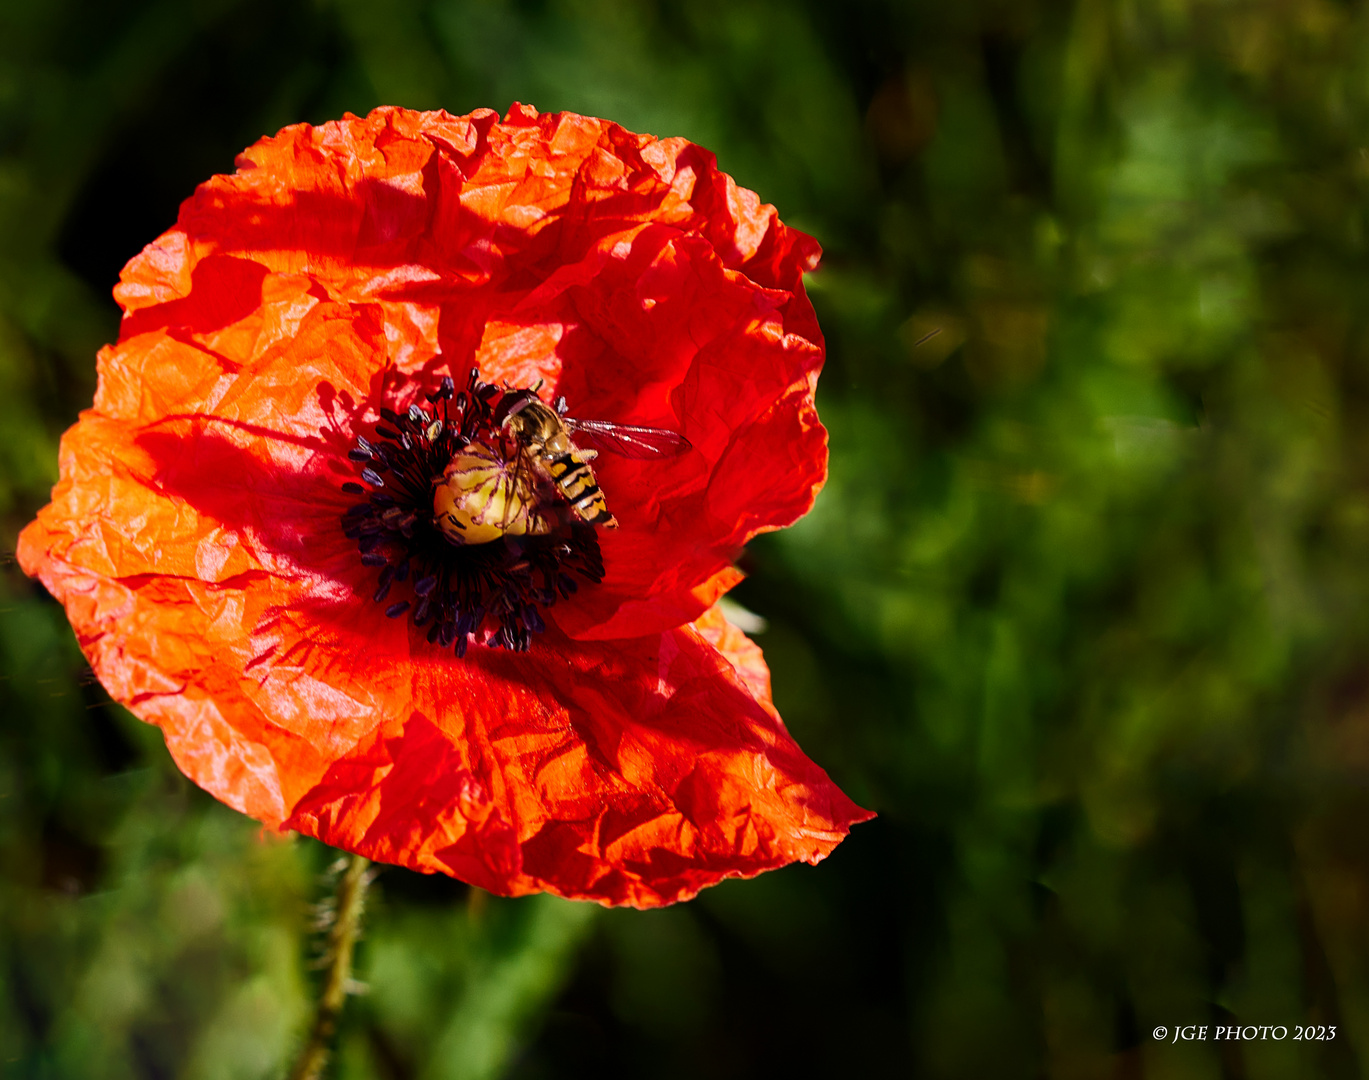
x=627 y=440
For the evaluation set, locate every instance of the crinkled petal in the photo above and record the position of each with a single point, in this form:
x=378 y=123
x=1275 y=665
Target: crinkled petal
x=741 y=652
x=628 y=772
x=633 y=756
x=625 y=271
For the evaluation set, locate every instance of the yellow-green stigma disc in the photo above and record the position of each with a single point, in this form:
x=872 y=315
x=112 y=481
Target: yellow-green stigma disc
x=482 y=497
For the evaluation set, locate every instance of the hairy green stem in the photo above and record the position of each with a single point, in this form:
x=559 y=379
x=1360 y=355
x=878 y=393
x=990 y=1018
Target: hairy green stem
x=337 y=980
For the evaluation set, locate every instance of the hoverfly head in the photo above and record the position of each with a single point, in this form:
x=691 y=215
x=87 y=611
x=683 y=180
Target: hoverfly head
x=510 y=405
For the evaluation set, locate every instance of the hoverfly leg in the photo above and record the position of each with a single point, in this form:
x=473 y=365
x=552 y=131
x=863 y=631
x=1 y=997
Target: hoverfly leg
x=515 y=483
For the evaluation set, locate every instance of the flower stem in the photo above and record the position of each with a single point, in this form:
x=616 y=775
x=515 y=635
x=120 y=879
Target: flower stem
x=337 y=982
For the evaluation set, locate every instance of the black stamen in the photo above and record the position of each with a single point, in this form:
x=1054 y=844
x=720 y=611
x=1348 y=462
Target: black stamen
x=491 y=592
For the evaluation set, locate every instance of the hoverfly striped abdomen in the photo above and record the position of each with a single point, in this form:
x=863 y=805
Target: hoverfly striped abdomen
x=573 y=475
x=552 y=444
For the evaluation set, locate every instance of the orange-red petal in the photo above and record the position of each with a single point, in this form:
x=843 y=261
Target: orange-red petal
x=195 y=535
x=626 y=271
x=628 y=772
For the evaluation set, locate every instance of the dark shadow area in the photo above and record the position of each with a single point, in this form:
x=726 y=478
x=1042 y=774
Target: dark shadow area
x=779 y=964
x=265 y=58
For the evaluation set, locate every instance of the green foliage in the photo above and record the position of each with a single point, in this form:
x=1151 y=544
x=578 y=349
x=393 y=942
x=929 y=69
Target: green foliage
x=1082 y=611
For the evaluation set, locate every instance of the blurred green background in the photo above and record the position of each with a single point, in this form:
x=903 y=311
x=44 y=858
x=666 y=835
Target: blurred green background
x=1082 y=612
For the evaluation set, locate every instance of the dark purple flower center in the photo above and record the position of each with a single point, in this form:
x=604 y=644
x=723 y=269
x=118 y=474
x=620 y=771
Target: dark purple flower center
x=459 y=452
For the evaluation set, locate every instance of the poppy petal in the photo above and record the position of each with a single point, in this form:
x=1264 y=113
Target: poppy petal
x=627 y=272
x=615 y=787
x=196 y=536
x=627 y=772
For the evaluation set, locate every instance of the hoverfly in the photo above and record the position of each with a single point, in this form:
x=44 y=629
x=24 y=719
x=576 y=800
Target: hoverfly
x=487 y=493
x=545 y=435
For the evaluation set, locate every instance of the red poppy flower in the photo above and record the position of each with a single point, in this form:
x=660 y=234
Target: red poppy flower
x=245 y=534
